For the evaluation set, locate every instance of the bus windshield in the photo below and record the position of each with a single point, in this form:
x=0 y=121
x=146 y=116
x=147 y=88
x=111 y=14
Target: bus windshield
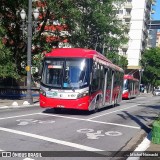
x=67 y=73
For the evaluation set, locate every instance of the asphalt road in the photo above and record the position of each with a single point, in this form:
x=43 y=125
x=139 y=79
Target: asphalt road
x=36 y=129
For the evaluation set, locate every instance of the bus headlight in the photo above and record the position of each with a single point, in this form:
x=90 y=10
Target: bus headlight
x=42 y=92
x=83 y=94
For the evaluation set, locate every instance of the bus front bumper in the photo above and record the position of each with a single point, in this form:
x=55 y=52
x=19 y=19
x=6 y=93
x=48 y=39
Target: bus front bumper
x=80 y=103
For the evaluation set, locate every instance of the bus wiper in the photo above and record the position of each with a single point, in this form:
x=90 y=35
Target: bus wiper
x=69 y=82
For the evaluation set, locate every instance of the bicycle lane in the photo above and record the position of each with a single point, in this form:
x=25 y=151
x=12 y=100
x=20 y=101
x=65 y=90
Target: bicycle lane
x=70 y=132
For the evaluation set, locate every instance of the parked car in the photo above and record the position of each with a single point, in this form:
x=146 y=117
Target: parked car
x=156 y=92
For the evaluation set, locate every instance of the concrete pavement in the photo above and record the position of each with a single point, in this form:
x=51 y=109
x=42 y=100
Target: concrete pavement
x=17 y=103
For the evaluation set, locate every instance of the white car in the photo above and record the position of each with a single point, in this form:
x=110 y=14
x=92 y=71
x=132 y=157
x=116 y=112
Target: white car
x=156 y=92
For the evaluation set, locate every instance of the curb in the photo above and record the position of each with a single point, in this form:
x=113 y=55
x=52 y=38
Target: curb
x=142 y=147
x=17 y=106
x=136 y=143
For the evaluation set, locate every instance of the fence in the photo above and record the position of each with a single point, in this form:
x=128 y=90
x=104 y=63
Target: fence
x=16 y=92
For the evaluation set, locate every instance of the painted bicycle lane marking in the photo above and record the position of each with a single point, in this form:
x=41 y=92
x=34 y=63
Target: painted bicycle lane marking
x=91 y=134
x=23 y=122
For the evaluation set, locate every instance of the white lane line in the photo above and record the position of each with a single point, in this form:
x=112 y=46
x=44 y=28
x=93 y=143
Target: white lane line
x=141 y=147
x=93 y=121
x=18 y=116
x=65 y=143
x=113 y=112
x=115 y=124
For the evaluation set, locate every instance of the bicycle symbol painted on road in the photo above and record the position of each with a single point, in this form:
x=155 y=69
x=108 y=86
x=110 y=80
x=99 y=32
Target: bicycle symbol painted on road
x=24 y=122
x=91 y=134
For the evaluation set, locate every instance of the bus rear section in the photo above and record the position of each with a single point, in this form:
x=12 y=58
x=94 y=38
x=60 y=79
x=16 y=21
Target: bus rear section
x=79 y=79
x=130 y=87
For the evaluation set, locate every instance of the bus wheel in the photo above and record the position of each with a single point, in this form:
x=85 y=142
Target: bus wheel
x=115 y=102
x=96 y=106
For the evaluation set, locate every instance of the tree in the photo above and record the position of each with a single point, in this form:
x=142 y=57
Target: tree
x=7 y=67
x=119 y=60
x=89 y=24
x=151 y=64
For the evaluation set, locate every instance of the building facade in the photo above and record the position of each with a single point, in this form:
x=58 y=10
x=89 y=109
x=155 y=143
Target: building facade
x=137 y=15
x=158 y=39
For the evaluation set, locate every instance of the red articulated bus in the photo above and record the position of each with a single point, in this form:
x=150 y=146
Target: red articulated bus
x=76 y=78
x=130 y=87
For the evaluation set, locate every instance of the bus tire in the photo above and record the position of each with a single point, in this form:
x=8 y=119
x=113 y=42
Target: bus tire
x=96 y=106
x=115 y=101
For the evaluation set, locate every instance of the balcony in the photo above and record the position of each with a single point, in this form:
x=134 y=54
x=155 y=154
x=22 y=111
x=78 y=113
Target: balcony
x=153 y=2
x=124 y=47
x=128 y=5
x=127 y=16
x=128 y=26
x=145 y=31
x=152 y=11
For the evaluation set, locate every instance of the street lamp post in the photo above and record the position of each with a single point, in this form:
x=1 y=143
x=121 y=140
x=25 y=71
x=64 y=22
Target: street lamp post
x=29 y=50
x=29 y=96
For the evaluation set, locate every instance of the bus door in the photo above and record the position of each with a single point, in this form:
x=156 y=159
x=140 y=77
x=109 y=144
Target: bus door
x=134 y=88
x=105 y=86
x=112 y=87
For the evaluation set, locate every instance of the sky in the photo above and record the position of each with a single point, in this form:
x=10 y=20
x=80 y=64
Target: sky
x=156 y=15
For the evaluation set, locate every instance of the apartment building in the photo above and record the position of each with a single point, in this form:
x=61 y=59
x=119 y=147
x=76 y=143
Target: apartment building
x=136 y=14
x=158 y=39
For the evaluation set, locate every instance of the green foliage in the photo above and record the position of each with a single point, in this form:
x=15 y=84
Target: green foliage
x=7 y=67
x=119 y=60
x=151 y=64
x=91 y=24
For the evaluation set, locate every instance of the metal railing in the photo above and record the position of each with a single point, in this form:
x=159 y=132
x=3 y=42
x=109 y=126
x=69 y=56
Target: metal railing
x=16 y=92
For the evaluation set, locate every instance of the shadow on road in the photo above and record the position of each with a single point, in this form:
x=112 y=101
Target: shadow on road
x=138 y=121
x=74 y=111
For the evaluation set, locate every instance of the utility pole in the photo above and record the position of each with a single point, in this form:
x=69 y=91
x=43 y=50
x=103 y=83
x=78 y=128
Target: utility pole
x=29 y=50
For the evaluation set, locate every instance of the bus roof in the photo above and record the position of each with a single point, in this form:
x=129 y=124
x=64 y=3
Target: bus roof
x=82 y=53
x=127 y=76
x=72 y=52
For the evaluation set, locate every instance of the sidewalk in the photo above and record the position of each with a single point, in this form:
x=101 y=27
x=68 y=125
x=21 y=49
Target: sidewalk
x=14 y=103
x=152 y=149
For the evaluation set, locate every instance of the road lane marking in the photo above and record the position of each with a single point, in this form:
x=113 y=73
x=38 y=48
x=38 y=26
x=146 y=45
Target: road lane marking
x=93 y=121
x=65 y=143
x=92 y=134
x=113 y=133
x=23 y=122
x=112 y=112
x=141 y=148
x=18 y=116
x=115 y=124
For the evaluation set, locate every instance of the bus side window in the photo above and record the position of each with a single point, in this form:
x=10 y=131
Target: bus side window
x=102 y=77
x=115 y=78
x=109 y=79
x=95 y=78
